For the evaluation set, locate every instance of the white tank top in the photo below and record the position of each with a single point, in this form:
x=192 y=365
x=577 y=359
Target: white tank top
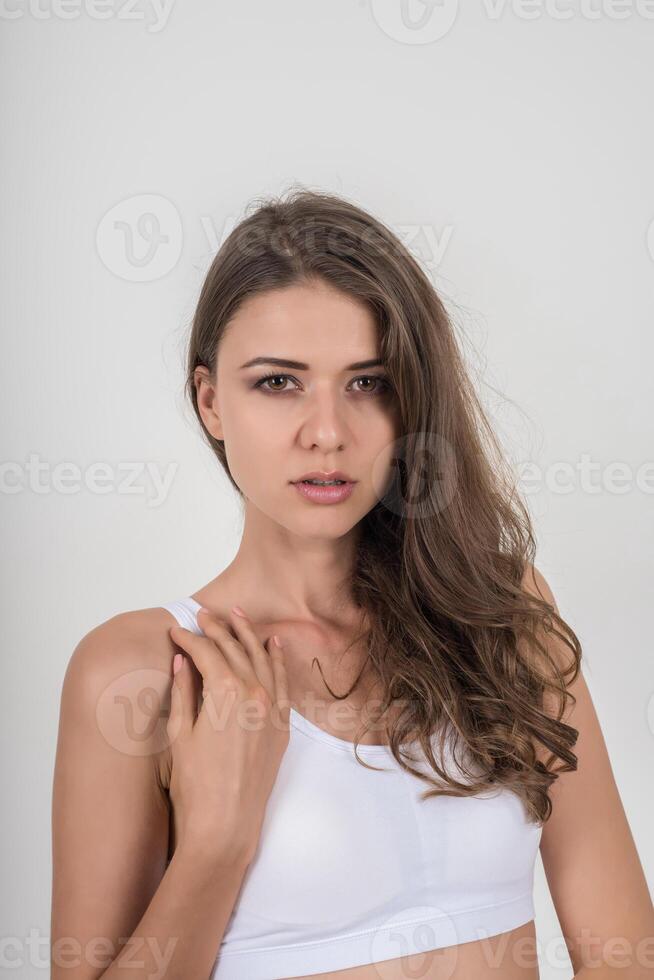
x=353 y=868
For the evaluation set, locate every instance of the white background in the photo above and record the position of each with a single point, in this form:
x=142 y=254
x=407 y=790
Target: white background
x=510 y=146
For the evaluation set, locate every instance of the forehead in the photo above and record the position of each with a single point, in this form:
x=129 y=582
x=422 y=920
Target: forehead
x=317 y=324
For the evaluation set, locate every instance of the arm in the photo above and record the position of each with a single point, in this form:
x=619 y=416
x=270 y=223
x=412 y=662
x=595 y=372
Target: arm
x=589 y=856
x=117 y=910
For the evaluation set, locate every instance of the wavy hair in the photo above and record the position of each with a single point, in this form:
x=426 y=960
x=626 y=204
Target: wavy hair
x=455 y=639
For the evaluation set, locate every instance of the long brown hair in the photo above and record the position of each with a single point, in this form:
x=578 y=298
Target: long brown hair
x=454 y=637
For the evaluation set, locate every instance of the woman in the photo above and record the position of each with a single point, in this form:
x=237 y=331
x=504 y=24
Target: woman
x=396 y=610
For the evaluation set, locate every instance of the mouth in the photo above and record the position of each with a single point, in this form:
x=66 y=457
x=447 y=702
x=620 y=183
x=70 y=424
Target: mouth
x=325 y=488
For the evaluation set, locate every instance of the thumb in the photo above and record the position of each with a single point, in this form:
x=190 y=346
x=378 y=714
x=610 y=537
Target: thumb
x=182 y=700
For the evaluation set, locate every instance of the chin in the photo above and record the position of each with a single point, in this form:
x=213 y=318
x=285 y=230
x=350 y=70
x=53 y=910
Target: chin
x=326 y=525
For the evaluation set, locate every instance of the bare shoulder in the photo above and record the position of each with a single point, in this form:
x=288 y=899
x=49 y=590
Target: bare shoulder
x=122 y=670
x=534 y=583
x=559 y=653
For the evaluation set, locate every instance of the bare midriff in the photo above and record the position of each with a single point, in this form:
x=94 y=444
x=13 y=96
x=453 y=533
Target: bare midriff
x=508 y=956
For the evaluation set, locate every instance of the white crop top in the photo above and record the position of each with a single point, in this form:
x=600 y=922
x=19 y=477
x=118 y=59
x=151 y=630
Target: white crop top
x=353 y=868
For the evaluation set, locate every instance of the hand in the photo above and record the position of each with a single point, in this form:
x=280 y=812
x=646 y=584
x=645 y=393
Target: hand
x=225 y=760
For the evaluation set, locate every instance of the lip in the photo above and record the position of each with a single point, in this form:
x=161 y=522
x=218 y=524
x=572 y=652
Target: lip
x=318 y=475
x=324 y=495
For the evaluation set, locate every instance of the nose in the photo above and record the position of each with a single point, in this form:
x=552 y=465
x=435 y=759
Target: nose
x=323 y=425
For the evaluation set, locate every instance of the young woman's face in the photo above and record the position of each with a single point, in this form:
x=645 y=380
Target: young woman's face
x=318 y=414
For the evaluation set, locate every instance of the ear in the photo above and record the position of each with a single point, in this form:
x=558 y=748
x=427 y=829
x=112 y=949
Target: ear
x=205 y=387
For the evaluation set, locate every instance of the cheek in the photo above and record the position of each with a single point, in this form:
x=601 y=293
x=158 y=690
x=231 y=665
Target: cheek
x=380 y=441
x=256 y=446
x=253 y=424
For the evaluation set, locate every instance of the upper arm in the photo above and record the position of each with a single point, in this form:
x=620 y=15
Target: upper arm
x=110 y=814
x=589 y=856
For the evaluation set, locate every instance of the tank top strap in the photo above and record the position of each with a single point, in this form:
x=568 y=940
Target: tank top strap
x=185 y=612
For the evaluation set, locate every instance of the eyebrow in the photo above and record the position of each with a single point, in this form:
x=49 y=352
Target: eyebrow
x=300 y=366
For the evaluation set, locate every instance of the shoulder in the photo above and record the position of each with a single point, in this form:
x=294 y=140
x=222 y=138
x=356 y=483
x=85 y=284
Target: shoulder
x=555 y=633
x=553 y=650
x=535 y=583
x=119 y=679
x=125 y=643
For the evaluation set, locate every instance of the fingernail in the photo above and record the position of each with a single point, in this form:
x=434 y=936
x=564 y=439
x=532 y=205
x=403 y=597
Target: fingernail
x=239 y=611
x=177 y=662
x=277 y=640
x=204 y=609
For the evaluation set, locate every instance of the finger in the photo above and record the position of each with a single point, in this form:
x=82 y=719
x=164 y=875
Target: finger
x=278 y=665
x=197 y=683
x=182 y=700
x=208 y=660
x=255 y=649
x=229 y=646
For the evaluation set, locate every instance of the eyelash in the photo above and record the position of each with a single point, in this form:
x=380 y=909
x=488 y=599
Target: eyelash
x=385 y=385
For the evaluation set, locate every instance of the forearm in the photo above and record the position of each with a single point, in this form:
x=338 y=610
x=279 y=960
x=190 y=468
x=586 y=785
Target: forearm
x=629 y=958
x=181 y=930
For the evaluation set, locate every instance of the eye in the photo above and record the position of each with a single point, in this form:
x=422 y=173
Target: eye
x=271 y=377
x=381 y=384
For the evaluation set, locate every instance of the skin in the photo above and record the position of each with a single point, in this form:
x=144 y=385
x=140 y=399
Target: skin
x=289 y=577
